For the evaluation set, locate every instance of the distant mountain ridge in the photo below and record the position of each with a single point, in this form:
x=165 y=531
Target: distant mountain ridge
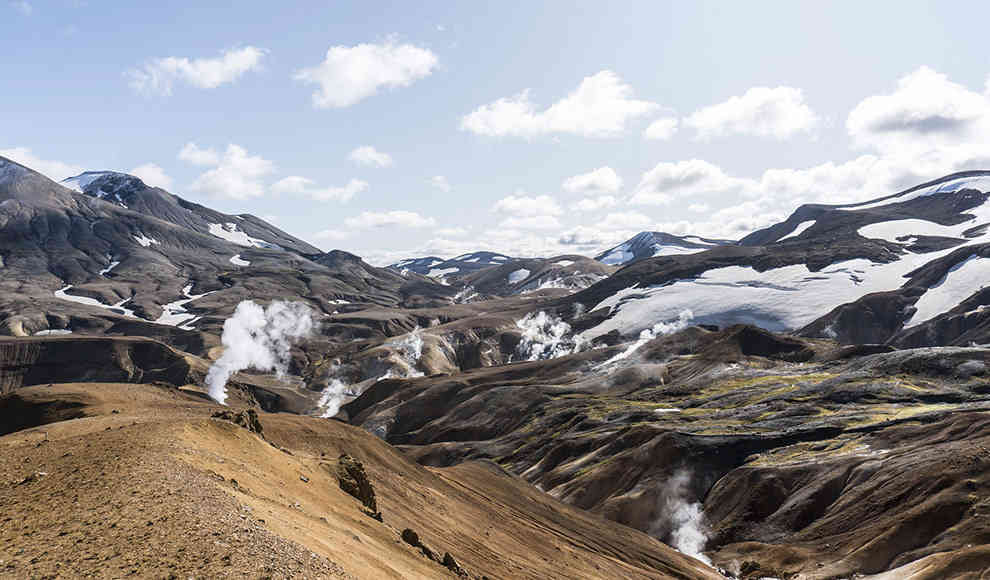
x=650 y=244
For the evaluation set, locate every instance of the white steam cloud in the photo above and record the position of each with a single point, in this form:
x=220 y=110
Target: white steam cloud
x=332 y=397
x=682 y=321
x=410 y=349
x=545 y=336
x=259 y=338
x=680 y=519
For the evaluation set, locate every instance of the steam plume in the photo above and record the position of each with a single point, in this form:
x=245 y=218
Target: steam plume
x=545 y=336
x=659 y=329
x=259 y=338
x=681 y=520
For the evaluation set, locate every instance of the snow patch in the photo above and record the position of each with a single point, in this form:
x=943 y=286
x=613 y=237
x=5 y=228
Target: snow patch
x=959 y=283
x=564 y=263
x=440 y=272
x=518 y=276
x=233 y=234
x=118 y=307
x=175 y=313
x=145 y=240
x=237 y=261
x=799 y=230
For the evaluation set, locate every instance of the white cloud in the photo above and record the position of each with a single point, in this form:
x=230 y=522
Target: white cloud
x=23 y=7
x=407 y=219
x=926 y=110
x=761 y=111
x=158 y=76
x=629 y=220
x=601 y=180
x=600 y=107
x=350 y=74
x=236 y=174
x=152 y=175
x=452 y=232
x=700 y=207
x=533 y=222
x=55 y=170
x=522 y=205
x=335 y=235
x=668 y=181
x=440 y=182
x=596 y=203
x=307 y=187
x=191 y=153
x=368 y=155
x=661 y=129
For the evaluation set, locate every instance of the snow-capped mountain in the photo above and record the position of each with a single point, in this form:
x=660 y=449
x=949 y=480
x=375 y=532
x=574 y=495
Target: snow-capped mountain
x=905 y=268
x=523 y=276
x=650 y=244
x=453 y=268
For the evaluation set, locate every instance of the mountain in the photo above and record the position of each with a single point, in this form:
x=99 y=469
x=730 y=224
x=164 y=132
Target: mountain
x=906 y=268
x=650 y=244
x=761 y=406
x=525 y=275
x=453 y=268
x=114 y=253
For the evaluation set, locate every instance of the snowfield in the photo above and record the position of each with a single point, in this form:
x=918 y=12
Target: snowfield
x=788 y=298
x=237 y=261
x=233 y=234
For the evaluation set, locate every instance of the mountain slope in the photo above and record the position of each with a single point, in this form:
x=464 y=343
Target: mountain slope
x=650 y=244
x=124 y=252
x=822 y=258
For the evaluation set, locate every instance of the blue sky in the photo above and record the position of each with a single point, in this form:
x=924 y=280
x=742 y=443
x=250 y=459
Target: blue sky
x=528 y=128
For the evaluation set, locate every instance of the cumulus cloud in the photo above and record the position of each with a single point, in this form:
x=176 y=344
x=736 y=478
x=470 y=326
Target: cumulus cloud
x=350 y=74
x=452 y=232
x=596 y=203
x=925 y=110
x=601 y=180
x=158 y=76
x=522 y=205
x=761 y=111
x=368 y=155
x=661 y=129
x=235 y=174
x=23 y=7
x=192 y=153
x=628 y=220
x=152 y=175
x=307 y=187
x=400 y=218
x=55 y=170
x=440 y=182
x=533 y=222
x=668 y=181
x=600 y=107
x=335 y=235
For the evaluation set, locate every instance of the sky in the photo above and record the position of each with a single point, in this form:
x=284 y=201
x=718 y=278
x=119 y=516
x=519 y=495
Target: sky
x=401 y=129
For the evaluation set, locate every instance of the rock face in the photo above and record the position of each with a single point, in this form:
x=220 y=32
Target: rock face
x=354 y=481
